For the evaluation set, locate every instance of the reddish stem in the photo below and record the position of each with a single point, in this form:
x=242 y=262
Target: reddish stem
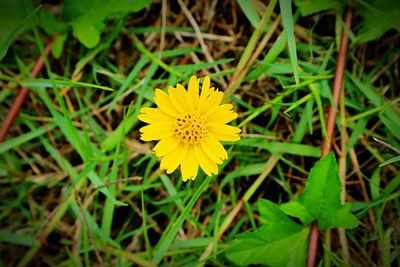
x=19 y=100
x=327 y=142
x=337 y=85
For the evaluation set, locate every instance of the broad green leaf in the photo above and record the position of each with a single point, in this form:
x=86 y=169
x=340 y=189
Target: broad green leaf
x=14 y=19
x=276 y=221
x=296 y=209
x=308 y=7
x=378 y=17
x=88 y=34
x=87 y=16
x=322 y=196
x=49 y=23
x=279 y=242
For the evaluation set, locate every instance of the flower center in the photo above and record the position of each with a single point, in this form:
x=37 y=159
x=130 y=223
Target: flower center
x=190 y=128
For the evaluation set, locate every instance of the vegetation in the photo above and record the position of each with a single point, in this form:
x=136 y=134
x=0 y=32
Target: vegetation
x=313 y=179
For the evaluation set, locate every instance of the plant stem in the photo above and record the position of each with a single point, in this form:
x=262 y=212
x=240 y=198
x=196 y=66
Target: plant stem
x=19 y=100
x=327 y=142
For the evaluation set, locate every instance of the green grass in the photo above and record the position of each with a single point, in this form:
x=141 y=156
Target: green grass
x=80 y=188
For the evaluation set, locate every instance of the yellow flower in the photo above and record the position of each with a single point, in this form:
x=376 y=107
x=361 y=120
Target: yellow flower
x=190 y=127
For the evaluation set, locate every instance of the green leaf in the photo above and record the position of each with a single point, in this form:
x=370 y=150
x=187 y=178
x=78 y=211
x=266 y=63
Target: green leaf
x=378 y=17
x=15 y=18
x=58 y=45
x=308 y=7
x=279 y=242
x=322 y=196
x=87 y=16
x=276 y=220
x=49 y=23
x=86 y=33
x=296 y=209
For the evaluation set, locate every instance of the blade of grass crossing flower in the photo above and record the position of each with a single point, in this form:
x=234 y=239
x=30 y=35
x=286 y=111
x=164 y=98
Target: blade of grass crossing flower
x=169 y=235
x=287 y=18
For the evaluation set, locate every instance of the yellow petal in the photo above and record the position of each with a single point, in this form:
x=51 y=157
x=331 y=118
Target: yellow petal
x=176 y=98
x=189 y=166
x=153 y=115
x=193 y=92
x=205 y=89
x=162 y=100
x=211 y=102
x=208 y=166
x=217 y=146
x=172 y=160
x=155 y=132
x=183 y=98
x=224 y=132
x=223 y=114
x=165 y=146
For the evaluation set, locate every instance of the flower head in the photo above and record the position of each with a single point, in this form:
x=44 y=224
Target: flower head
x=189 y=127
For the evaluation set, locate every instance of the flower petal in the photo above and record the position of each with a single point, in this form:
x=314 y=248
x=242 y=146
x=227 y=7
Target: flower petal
x=189 y=166
x=155 y=132
x=213 y=149
x=172 y=160
x=224 y=132
x=223 y=114
x=154 y=115
x=162 y=100
x=205 y=89
x=193 y=92
x=178 y=98
x=166 y=145
x=208 y=166
x=211 y=102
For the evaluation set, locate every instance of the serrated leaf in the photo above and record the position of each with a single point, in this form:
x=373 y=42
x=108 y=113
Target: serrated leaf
x=272 y=244
x=296 y=209
x=322 y=196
